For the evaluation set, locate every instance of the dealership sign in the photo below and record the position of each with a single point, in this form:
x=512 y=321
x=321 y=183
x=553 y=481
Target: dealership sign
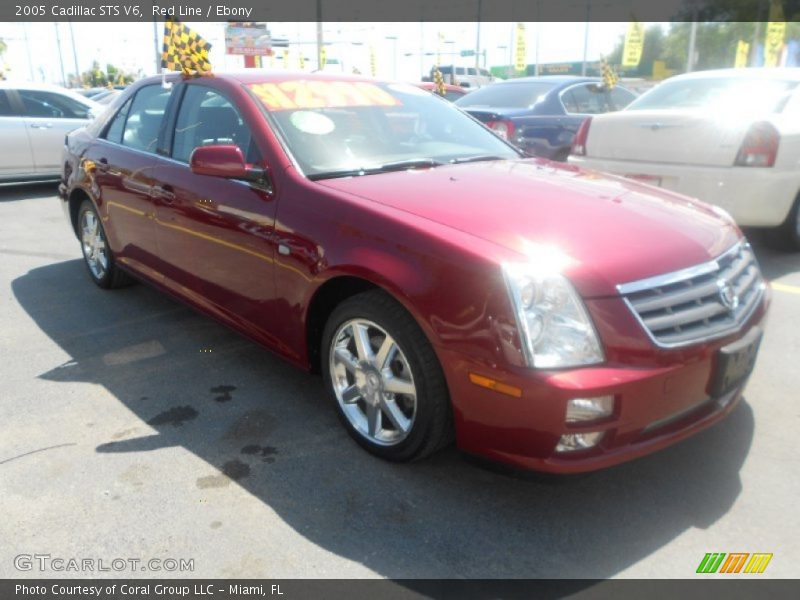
x=247 y=38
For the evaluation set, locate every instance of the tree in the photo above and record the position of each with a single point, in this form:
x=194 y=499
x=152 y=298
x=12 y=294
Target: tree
x=3 y=69
x=96 y=77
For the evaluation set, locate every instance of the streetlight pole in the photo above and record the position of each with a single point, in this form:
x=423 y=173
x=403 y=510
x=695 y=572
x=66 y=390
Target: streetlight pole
x=74 y=54
x=394 y=54
x=692 y=42
x=60 y=56
x=585 y=38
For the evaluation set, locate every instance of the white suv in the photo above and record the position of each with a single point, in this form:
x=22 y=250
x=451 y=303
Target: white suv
x=467 y=77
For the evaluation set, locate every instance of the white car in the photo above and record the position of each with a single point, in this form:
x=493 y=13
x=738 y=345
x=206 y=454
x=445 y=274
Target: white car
x=34 y=118
x=729 y=137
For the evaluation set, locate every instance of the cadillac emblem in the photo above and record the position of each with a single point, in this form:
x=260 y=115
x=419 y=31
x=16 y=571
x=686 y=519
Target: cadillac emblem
x=727 y=295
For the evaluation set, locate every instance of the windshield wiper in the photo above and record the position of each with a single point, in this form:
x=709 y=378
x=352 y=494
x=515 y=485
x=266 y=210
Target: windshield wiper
x=478 y=158
x=399 y=165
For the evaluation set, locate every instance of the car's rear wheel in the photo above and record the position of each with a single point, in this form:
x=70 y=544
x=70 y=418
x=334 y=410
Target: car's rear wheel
x=97 y=255
x=384 y=378
x=787 y=236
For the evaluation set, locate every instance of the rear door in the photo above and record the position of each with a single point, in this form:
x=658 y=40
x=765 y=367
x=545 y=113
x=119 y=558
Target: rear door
x=16 y=157
x=49 y=116
x=123 y=159
x=215 y=234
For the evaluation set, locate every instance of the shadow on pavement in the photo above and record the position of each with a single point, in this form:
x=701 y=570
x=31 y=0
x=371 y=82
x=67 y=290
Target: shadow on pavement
x=267 y=427
x=27 y=191
x=774 y=263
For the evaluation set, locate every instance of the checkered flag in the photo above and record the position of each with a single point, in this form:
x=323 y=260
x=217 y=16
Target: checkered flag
x=610 y=77
x=184 y=50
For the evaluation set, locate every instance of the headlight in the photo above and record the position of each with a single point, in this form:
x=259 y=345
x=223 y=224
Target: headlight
x=555 y=328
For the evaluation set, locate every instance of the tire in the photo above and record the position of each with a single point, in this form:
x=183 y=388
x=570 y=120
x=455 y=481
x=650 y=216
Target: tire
x=97 y=255
x=403 y=425
x=787 y=236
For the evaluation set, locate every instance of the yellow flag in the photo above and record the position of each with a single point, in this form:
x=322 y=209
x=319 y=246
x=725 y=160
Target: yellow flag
x=520 y=56
x=634 y=44
x=373 y=67
x=776 y=34
x=285 y=58
x=742 y=52
x=323 y=58
x=301 y=60
x=183 y=49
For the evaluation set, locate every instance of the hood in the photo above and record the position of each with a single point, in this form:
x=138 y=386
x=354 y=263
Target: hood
x=609 y=230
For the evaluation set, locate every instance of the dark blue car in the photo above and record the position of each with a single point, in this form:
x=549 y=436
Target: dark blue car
x=541 y=115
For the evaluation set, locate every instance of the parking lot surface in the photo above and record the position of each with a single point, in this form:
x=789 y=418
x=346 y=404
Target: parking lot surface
x=132 y=427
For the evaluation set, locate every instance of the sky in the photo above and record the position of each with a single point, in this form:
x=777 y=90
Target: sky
x=131 y=46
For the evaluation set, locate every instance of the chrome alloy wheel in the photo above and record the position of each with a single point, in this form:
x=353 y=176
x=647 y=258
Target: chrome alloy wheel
x=372 y=382
x=93 y=243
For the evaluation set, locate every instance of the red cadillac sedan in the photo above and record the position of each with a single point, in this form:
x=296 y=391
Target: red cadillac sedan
x=446 y=287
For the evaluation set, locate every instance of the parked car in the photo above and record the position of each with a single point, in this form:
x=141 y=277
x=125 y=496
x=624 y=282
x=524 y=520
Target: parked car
x=451 y=92
x=541 y=115
x=33 y=121
x=468 y=77
x=729 y=137
x=445 y=286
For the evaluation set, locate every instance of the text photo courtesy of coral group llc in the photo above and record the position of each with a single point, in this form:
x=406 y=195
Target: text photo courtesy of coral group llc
x=429 y=299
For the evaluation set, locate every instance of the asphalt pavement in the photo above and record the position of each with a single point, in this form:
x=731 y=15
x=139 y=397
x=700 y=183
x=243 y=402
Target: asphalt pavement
x=133 y=428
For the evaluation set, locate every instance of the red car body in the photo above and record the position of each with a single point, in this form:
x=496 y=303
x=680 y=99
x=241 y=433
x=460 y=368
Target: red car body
x=434 y=240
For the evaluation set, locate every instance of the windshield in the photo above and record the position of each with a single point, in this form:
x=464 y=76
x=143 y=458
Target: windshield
x=339 y=128
x=752 y=95
x=507 y=95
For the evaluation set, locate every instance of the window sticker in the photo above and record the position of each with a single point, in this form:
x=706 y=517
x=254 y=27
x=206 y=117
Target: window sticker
x=291 y=95
x=312 y=122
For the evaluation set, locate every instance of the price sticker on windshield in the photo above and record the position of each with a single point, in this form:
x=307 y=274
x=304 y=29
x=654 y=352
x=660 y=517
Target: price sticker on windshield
x=302 y=94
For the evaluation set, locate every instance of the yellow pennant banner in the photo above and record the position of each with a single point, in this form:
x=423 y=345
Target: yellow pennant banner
x=634 y=45
x=520 y=56
x=742 y=53
x=776 y=35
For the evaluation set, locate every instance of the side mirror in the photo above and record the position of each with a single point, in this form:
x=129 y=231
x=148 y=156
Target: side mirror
x=223 y=160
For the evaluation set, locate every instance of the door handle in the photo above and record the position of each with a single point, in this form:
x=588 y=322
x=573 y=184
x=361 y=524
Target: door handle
x=163 y=192
x=41 y=125
x=101 y=165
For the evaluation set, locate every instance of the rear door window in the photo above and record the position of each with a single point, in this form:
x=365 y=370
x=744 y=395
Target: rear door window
x=589 y=99
x=115 y=130
x=146 y=114
x=51 y=105
x=5 y=105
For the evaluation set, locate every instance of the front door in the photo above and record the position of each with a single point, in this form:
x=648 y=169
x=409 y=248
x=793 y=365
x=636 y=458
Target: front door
x=215 y=234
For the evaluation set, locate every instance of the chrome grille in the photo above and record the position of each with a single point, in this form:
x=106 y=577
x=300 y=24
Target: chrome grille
x=699 y=303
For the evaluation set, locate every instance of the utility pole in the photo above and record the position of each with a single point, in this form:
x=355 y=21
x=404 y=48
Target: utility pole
x=478 y=40
x=586 y=37
x=60 y=56
x=74 y=54
x=692 y=42
x=155 y=46
x=319 y=33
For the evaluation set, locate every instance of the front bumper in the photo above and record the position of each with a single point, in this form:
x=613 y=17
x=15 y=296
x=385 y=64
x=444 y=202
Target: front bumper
x=655 y=406
x=755 y=197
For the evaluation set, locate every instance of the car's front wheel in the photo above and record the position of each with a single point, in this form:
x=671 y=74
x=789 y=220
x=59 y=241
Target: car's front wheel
x=384 y=378
x=97 y=255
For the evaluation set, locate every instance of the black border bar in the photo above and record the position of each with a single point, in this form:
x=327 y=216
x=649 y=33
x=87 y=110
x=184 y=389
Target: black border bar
x=703 y=587
x=394 y=10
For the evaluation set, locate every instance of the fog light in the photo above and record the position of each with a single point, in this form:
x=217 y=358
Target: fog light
x=581 y=410
x=570 y=442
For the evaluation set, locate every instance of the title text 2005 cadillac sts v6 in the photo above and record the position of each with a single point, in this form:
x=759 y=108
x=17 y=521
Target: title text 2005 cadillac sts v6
x=445 y=286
